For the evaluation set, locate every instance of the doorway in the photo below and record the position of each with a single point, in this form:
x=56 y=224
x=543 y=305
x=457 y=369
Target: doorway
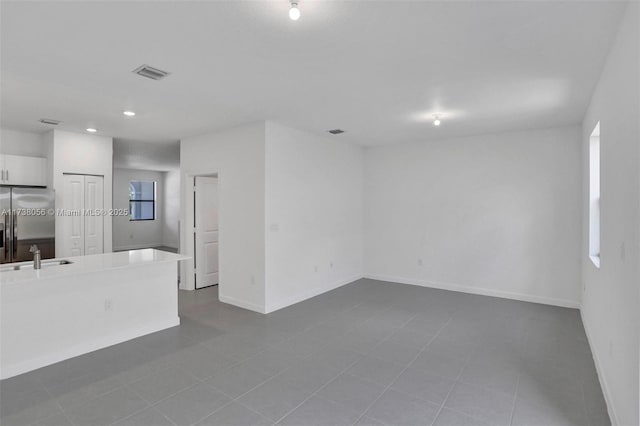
x=83 y=225
x=205 y=231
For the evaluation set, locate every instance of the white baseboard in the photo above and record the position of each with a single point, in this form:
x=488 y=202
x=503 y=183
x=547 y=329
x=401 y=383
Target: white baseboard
x=478 y=290
x=312 y=293
x=601 y=377
x=241 y=304
x=93 y=345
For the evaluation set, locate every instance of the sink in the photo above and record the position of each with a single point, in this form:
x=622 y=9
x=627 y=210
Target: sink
x=44 y=264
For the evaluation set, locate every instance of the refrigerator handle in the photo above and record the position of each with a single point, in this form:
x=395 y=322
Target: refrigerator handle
x=14 y=235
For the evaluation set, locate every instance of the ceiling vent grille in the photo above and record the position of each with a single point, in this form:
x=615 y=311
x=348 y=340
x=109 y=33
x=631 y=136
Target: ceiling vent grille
x=49 y=121
x=151 y=72
x=335 y=131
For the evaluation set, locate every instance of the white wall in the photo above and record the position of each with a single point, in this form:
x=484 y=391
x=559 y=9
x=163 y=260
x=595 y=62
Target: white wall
x=611 y=299
x=80 y=154
x=494 y=214
x=313 y=214
x=238 y=157
x=16 y=142
x=129 y=234
x=171 y=208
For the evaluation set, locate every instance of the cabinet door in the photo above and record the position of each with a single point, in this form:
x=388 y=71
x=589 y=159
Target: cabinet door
x=73 y=219
x=21 y=170
x=3 y=179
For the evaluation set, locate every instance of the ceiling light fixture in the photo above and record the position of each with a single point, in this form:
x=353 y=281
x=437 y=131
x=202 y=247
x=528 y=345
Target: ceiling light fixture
x=436 y=121
x=92 y=130
x=294 y=12
x=129 y=113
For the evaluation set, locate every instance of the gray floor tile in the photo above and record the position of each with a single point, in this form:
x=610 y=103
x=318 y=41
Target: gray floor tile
x=439 y=364
x=274 y=398
x=395 y=352
x=235 y=414
x=376 y=370
x=108 y=409
x=352 y=392
x=482 y=403
x=498 y=376
x=238 y=380
x=423 y=385
x=534 y=414
x=319 y=411
x=28 y=409
x=192 y=405
x=272 y=361
x=449 y=417
x=202 y=362
x=55 y=420
x=368 y=421
x=163 y=384
x=336 y=357
x=394 y=408
x=148 y=417
x=308 y=375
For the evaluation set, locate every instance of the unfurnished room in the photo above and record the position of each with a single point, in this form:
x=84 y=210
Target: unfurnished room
x=320 y=212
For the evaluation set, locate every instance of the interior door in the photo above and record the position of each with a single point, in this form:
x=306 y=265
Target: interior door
x=73 y=222
x=206 y=231
x=93 y=222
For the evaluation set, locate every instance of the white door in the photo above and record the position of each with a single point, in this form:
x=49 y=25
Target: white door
x=206 y=231
x=93 y=220
x=83 y=200
x=73 y=221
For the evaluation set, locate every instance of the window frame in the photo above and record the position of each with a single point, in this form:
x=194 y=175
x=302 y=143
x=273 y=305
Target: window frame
x=139 y=202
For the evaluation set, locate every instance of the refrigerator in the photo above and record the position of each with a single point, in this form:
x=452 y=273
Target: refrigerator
x=28 y=217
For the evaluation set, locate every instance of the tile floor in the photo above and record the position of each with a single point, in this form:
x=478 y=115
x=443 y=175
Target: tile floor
x=369 y=353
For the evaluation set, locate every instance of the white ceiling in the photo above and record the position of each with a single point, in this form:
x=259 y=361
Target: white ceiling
x=378 y=69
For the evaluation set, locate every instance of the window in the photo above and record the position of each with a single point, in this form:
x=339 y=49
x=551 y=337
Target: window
x=142 y=200
x=594 y=196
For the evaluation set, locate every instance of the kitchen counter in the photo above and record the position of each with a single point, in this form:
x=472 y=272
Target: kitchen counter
x=62 y=311
x=89 y=264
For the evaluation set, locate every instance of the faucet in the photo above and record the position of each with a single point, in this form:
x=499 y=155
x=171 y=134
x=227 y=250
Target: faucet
x=37 y=264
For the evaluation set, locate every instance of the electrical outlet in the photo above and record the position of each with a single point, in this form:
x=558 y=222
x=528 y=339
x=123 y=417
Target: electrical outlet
x=253 y=280
x=108 y=305
x=131 y=236
x=331 y=265
x=419 y=262
x=274 y=227
x=315 y=268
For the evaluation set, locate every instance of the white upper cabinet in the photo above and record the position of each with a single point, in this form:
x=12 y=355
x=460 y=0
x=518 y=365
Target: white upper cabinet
x=22 y=170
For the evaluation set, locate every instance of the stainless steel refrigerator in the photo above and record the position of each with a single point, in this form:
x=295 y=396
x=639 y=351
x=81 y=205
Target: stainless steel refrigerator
x=28 y=217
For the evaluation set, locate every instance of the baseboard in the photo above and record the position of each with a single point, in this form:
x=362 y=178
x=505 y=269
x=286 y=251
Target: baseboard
x=77 y=350
x=312 y=293
x=601 y=377
x=241 y=304
x=477 y=290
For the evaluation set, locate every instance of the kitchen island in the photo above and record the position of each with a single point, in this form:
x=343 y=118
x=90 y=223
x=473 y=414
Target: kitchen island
x=65 y=310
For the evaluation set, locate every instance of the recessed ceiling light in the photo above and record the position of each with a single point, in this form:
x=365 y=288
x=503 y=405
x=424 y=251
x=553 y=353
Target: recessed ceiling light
x=294 y=12
x=436 y=121
x=92 y=130
x=129 y=113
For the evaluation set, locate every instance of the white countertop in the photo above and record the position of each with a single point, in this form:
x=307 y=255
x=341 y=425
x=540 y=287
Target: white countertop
x=90 y=263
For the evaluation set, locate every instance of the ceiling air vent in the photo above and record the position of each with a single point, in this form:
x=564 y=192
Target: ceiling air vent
x=151 y=72
x=335 y=131
x=49 y=121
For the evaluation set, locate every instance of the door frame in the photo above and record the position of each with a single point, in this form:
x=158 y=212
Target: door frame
x=187 y=280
